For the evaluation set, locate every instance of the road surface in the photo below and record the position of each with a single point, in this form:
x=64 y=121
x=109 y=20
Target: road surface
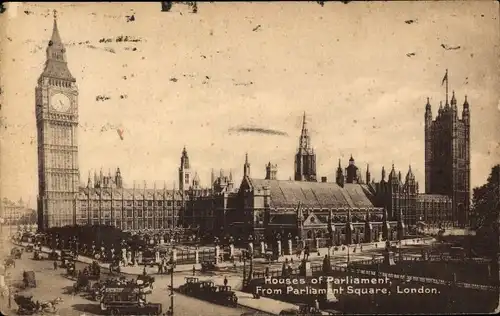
x=54 y=283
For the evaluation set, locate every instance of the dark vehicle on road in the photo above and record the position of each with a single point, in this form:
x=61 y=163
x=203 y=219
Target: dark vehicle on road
x=9 y=262
x=127 y=300
x=222 y=295
x=190 y=285
x=114 y=267
x=92 y=271
x=71 y=269
x=16 y=253
x=145 y=282
x=82 y=284
x=29 y=248
x=208 y=266
x=149 y=258
x=29 y=279
x=25 y=304
x=271 y=256
x=53 y=256
x=304 y=310
x=67 y=256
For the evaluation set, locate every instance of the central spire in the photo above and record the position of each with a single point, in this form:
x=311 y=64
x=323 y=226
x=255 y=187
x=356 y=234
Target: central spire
x=56 y=38
x=305 y=140
x=305 y=159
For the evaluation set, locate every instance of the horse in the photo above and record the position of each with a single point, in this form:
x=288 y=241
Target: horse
x=50 y=306
x=9 y=262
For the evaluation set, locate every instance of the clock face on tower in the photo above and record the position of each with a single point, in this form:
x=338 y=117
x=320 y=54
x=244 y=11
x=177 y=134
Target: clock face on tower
x=60 y=102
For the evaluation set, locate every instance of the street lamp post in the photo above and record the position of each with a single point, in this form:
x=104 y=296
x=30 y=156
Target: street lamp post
x=172 y=267
x=250 y=250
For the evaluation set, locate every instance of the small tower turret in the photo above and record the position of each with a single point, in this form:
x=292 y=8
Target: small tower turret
x=339 y=179
x=368 y=175
x=246 y=167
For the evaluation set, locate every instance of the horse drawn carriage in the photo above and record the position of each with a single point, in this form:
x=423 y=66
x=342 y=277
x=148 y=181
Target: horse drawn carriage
x=29 y=280
x=26 y=305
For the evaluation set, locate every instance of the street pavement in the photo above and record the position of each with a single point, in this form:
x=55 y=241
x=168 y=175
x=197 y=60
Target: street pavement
x=54 y=283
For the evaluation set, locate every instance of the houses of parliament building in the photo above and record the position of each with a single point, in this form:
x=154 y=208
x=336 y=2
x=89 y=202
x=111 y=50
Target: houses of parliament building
x=261 y=206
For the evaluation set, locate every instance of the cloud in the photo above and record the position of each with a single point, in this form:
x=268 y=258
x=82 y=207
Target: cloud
x=258 y=130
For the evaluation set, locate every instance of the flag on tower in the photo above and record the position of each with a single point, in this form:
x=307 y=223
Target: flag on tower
x=445 y=78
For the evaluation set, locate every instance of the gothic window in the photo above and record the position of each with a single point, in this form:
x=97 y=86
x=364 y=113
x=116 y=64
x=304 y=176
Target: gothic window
x=169 y=203
x=130 y=214
x=95 y=214
x=159 y=203
x=129 y=203
x=186 y=178
x=178 y=203
x=150 y=203
x=118 y=203
x=138 y=203
x=139 y=213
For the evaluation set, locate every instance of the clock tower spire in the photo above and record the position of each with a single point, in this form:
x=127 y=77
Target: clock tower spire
x=57 y=124
x=55 y=64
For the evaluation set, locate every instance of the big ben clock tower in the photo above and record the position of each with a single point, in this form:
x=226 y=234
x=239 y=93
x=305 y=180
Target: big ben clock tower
x=57 y=123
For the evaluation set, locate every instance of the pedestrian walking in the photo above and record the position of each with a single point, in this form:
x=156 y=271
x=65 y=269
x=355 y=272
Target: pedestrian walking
x=225 y=281
x=55 y=265
x=194 y=270
x=316 y=304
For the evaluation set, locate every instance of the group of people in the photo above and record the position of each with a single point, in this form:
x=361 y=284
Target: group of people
x=164 y=266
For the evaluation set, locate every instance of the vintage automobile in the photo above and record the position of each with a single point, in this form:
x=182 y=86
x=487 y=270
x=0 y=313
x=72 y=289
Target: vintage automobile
x=190 y=285
x=208 y=266
x=222 y=295
x=29 y=248
x=145 y=282
x=53 y=256
x=67 y=256
x=271 y=256
x=16 y=253
x=29 y=279
x=114 y=267
x=304 y=310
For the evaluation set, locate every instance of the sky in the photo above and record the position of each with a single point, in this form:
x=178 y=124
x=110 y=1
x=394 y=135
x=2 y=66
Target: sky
x=361 y=71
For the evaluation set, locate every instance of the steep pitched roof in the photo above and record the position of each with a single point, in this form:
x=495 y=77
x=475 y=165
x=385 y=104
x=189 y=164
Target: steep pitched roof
x=313 y=194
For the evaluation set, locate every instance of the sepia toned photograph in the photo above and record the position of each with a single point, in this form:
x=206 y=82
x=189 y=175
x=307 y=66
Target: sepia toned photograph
x=249 y=158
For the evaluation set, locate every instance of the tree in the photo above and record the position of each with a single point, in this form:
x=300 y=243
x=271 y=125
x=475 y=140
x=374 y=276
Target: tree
x=486 y=207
